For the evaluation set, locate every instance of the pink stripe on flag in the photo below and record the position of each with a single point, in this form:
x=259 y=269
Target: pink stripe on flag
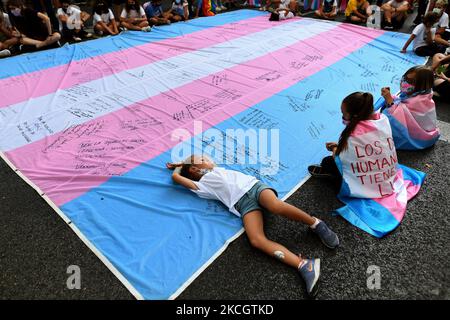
x=39 y=83
x=65 y=166
x=398 y=208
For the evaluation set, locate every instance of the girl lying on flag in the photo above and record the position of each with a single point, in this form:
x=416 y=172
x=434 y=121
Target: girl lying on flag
x=365 y=171
x=413 y=113
x=247 y=197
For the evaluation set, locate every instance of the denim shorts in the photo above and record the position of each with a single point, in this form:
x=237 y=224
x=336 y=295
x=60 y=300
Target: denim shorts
x=250 y=201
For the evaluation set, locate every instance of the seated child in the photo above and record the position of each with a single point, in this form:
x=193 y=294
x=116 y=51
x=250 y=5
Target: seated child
x=357 y=11
x=396 y=10
x=247 y=197
x=34 y=28
x=364 y=171
x=71 y=21
x=441 y=86
x=327 y=10
x=412 y=115
x=104 y=21
x=133 y=17
x=281 y=12
x=180 y=10
x=8 y=36
x=423 y=37
x=442 y=35
x=155 y=14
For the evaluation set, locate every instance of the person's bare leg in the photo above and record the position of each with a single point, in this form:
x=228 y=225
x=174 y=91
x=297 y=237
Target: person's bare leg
x=387 y=12
x=269 y=201
x=143 y=24
x=131 y=26
x=113 y=27
x=436 y=59
x=50 y=40
x=254 y=228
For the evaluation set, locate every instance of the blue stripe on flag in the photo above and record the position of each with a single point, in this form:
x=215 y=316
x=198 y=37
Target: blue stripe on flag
x=159 y=234
x=51 y=58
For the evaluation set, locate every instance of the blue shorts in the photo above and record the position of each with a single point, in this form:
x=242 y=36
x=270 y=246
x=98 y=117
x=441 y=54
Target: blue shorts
x=250 y=201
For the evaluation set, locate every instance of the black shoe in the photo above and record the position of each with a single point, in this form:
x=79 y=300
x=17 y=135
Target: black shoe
x=388 y=26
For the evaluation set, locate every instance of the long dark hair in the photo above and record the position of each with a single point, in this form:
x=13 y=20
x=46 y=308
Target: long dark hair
x=360 y=107
x=424 y=79
x=101 y=7
x=136 y=4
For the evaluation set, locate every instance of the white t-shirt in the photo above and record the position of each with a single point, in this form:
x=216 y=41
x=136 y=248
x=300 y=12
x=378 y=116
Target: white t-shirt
x=443 y=21
x=133 y=13
x=71 y=11
x=6 y=23
x=180 y=6
x=396 y=4
x=105 y=17
x=419 y=32
x=227 y=186
x=284 y=4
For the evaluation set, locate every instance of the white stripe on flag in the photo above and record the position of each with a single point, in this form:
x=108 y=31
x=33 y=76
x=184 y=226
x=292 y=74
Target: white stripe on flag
x=54 y=112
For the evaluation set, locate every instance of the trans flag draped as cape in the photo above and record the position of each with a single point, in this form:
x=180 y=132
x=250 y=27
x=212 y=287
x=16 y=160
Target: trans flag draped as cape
x=375 y=188
x=413 y=122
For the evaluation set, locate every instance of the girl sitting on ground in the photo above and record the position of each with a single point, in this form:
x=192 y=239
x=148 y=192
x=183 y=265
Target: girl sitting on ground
x=247 y=197
x=104 y=21
x=155 y=14
x=34 y=28
x=71 y=22
x=282 y=11
x=8 y=36
x=328 y=10
x=364 y=169
x=180 y=10
x=423 y=37
x=133 y=17
x=357 y=11
x=413 y=113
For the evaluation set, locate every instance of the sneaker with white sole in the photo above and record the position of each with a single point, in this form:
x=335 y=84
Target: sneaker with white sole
x=326 y=235
x=146 y=29
x=5 y=53
x=310 y=272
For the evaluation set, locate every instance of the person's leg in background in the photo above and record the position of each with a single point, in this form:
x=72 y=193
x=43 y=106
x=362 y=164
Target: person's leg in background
x=421 y=11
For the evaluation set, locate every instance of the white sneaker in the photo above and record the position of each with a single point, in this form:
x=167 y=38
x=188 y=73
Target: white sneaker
x=218 y=9
x=146 y=29
x=223 y=8
x=77 y=39
x=5 y=53
x=88 y=35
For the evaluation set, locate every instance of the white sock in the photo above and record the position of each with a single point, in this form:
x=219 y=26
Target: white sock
x=302 y=263
x=314 y=225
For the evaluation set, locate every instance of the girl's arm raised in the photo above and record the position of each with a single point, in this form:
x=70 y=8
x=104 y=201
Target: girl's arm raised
x=178 y=178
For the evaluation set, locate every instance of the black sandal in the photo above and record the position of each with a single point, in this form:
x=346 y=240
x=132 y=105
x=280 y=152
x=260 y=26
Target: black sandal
x=317 y=171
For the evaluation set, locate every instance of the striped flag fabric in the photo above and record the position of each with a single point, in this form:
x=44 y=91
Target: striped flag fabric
x=90 y=127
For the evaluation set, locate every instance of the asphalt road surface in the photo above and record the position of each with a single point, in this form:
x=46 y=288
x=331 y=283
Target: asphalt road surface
x=37 y=247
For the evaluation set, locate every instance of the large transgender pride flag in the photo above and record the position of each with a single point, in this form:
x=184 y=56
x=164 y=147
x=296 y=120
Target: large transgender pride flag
x=89 y=126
